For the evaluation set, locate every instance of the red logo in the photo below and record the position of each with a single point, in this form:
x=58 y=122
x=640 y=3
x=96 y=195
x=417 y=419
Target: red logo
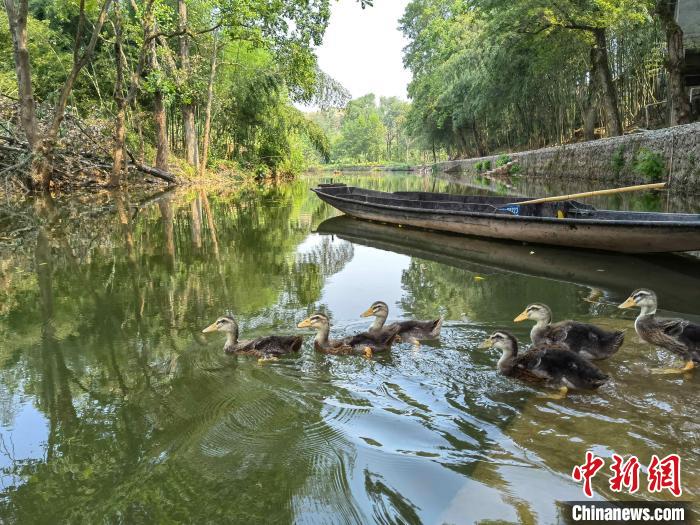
x=663 y=474
x=625 y=474
x=587 y=472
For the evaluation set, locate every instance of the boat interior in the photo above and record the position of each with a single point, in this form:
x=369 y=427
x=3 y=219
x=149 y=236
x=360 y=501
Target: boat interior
x=506 y=205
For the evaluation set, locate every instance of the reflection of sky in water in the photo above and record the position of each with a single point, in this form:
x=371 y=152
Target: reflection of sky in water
x=22 y=438
x=372 y=275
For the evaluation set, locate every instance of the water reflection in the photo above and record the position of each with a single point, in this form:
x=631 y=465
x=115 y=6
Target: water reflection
x=120 y=410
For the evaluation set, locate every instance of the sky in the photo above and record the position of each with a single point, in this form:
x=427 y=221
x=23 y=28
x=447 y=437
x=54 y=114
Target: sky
x=362 y=49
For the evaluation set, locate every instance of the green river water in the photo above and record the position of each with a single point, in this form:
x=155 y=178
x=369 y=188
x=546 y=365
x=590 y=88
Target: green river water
x=115 y=408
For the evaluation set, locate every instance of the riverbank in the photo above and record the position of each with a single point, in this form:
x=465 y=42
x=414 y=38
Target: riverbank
x=671 y=154
x=350 y=168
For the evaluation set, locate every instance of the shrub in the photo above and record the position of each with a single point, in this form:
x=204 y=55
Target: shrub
x=479 y=166
x=515 y=169
x=650 y=164
x=618 y=160
x=487 y=165
x=502 y=160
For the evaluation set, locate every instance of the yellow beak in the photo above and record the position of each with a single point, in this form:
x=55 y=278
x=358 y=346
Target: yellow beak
x=522 y=317
x=367 y=313
x=629 y=303
x=304 y=324
x=211 y=328
x=488 y=343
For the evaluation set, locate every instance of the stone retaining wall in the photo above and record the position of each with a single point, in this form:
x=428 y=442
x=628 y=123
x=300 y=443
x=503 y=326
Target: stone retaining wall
x=611 y=160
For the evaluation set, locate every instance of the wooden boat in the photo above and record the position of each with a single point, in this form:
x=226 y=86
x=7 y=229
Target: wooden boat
x=618 y=273
x=566 y=223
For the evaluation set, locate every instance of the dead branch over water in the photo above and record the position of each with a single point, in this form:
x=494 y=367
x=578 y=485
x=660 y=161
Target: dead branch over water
x=82 y=156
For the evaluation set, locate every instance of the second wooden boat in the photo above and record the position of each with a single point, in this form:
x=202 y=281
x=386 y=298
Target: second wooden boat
x=567 y=223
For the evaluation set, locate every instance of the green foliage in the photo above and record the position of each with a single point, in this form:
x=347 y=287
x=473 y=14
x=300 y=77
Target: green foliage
x=515 y=169
x=47 y=49
x=489 y=74
x=502 y=160
x=650 y=164
x=361 y=132
x=618 y=160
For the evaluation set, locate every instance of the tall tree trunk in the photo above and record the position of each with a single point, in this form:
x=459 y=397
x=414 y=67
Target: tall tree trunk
x=207 y=118
x=612 y=111
x=120 y=101
x=159 y=118
x=675 y=63
x=590 y=112
x=480 y=150
x=17 y=20
x=189 y=129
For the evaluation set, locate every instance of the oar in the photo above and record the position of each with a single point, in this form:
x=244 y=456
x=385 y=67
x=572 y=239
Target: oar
x=513 y=207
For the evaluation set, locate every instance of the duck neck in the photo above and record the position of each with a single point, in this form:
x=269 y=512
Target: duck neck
x=507 y=357
x=232 y=337
x=647 y=310
x=539 y=327
x=322 y=334
x=378 y=323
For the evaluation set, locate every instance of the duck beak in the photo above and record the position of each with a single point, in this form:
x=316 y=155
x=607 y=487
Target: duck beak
x=522 y=317
x=304 y=324
x=211 y=328
x=629 y=303
x=488 y=343
x=367 y=312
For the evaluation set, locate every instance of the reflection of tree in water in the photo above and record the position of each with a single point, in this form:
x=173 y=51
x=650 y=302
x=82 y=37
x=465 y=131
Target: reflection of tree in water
x=313 y=267
x=432 y=288
x=389 y=506
x=104 y=303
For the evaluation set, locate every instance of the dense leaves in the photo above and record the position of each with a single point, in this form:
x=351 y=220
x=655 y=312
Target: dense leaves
x=496 y=74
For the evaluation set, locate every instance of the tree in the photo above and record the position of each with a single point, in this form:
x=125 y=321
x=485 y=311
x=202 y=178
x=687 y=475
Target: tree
x=674 y=62
x=42 y=141
x=392 y=111
x=362 y=133
x=492 y=74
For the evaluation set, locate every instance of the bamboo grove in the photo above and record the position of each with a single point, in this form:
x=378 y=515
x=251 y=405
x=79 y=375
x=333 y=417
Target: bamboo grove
x=495 y=74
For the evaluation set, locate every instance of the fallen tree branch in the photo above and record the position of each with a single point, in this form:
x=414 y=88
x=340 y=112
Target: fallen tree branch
x=150 y=170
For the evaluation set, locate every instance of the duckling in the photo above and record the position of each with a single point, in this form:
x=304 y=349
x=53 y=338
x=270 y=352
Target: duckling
x=677 y=335
x=587 y=340
x=547 y=363
x=364 y=343
x=411 y=330
x=264 y=348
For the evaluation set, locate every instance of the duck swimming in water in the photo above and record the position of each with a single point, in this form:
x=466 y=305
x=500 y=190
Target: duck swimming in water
x=264 y=348
x=552 y=364
x=587 y=340
x=410 y=330
x=680 y=336
x=364 y=343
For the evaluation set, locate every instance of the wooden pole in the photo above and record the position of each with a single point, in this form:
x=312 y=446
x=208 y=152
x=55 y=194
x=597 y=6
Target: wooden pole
x=611 y=191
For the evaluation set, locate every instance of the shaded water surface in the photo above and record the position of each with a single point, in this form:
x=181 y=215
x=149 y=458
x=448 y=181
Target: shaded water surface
x=115 y=408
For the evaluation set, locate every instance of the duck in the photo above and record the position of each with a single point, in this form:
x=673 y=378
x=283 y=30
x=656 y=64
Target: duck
x=411 y=331
x=549 y=363
x=680 y=336
x=588 y=340
x=264 y=348
x=364 y=343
